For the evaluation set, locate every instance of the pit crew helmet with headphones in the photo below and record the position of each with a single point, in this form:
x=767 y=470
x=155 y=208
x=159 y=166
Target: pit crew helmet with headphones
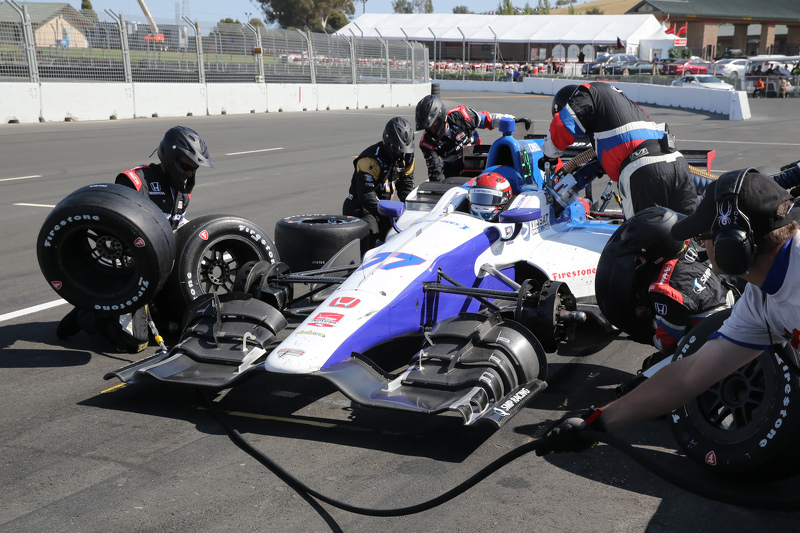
x=740 y=209
x=734 y=249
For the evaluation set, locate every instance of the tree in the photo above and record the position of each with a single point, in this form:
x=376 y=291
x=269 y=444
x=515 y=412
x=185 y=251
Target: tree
x=528 y=10
x=462 y=10
x=543 y=7
x=88 y=11
x=594 y=11
x=304 y=13
x=403 y=6
x=423 y=6
x=413 y=6
x=562 y=3
x=505 y=7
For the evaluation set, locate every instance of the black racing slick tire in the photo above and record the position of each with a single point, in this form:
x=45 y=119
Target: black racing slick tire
x=747 y=424
x=307 y=242
x=106 y=248
x=210 y=252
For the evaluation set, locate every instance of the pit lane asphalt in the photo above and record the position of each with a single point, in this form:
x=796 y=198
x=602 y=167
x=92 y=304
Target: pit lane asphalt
x=151 y=458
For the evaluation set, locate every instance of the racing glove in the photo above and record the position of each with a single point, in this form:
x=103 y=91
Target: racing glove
x=567 y=436
x=525 y=121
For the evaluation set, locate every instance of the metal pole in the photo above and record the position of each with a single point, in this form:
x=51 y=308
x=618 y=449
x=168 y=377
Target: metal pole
x=30 y=43
x=463 y=46
x=386 y=47
x=494 y=56
x=123 y=44
x=434 y=53
x=259 y=57
x=198 y=43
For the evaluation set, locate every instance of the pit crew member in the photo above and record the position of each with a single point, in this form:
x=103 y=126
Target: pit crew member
x=655 y=287
x=448 y=132
x=748 y=225
x=633 y=151
x=168 y=184
x=380 y=170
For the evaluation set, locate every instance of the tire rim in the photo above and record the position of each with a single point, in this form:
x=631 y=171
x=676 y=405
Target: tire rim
x=731 y=410
x=221 y=261
x=98 y=265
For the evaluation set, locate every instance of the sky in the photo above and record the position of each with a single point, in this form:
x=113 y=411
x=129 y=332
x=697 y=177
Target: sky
x=214 y=10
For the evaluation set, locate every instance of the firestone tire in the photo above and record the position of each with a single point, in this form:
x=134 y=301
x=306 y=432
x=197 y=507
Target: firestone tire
x=210 y=252
x=307 y=242
x=106 y=248
x=748 y=424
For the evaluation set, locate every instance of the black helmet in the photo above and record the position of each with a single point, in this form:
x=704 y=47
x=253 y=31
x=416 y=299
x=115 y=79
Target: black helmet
x=428 y=110
x=398 y=136
x=648 y=235
x=628 y=265
x=182 y=141
x=561 y=98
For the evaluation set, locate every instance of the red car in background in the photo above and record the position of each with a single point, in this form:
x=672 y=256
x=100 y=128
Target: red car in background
x=687 y=66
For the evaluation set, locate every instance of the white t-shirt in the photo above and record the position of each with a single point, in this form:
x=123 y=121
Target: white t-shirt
x=760 y=319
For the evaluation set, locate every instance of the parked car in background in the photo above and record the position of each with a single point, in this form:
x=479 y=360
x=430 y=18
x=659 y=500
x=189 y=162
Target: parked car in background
x=687 y=66
x=641 y=67
x=662 y=65
x=729 y=68
x=608 y=64
x=702 y=80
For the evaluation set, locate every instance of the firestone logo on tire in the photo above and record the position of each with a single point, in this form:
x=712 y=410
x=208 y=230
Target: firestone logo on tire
x=204 y=235
x=139 y=242
x=56 y=285
x=711 y=458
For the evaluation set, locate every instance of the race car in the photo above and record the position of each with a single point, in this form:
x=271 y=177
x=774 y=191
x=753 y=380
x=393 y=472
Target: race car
x=471 y=307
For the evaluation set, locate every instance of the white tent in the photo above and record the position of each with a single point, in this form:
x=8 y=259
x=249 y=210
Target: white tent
x=600 y=30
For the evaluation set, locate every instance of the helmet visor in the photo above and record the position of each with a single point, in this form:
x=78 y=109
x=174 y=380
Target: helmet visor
x=486 y=196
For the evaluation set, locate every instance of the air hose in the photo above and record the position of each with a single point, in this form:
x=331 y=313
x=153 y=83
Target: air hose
x=707 y=491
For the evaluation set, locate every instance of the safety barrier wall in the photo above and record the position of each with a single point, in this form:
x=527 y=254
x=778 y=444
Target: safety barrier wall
x=734 y=104
x=57 y=102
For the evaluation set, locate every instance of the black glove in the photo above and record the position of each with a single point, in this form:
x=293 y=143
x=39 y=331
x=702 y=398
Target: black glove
x=544 y=159
x=527 y=122
x=567 y=436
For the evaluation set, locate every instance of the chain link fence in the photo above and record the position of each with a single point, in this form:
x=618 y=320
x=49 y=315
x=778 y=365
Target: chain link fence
x=55 y=42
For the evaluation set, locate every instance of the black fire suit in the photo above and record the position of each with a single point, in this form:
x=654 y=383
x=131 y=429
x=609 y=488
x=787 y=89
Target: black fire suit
x=443 y=156
x=376 y=177
x=684 y=293
x=634 y=151
x=151 y=181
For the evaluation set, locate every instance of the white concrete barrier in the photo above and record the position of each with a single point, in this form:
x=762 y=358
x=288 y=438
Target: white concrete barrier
x=169 y=99
x=331 y=97
x=236 y=98
x=371 y=96
x=86 y=101
x=408 y=94
x=286 y=97
x=57 y=101
x=20 y=102
x=730 y=103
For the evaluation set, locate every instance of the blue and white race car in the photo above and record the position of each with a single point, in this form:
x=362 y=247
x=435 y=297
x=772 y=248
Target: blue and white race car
x=469 y=307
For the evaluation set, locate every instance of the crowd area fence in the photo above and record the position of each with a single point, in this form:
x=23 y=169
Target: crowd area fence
x=66 y=45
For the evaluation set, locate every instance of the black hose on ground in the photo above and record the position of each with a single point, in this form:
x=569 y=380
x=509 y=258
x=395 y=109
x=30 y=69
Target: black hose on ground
x=707 y=491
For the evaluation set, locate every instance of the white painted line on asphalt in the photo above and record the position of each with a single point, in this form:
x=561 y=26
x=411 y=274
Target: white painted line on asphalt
x=31 y=310
x=21 y=178
x=36 y=205
x=254 y=151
